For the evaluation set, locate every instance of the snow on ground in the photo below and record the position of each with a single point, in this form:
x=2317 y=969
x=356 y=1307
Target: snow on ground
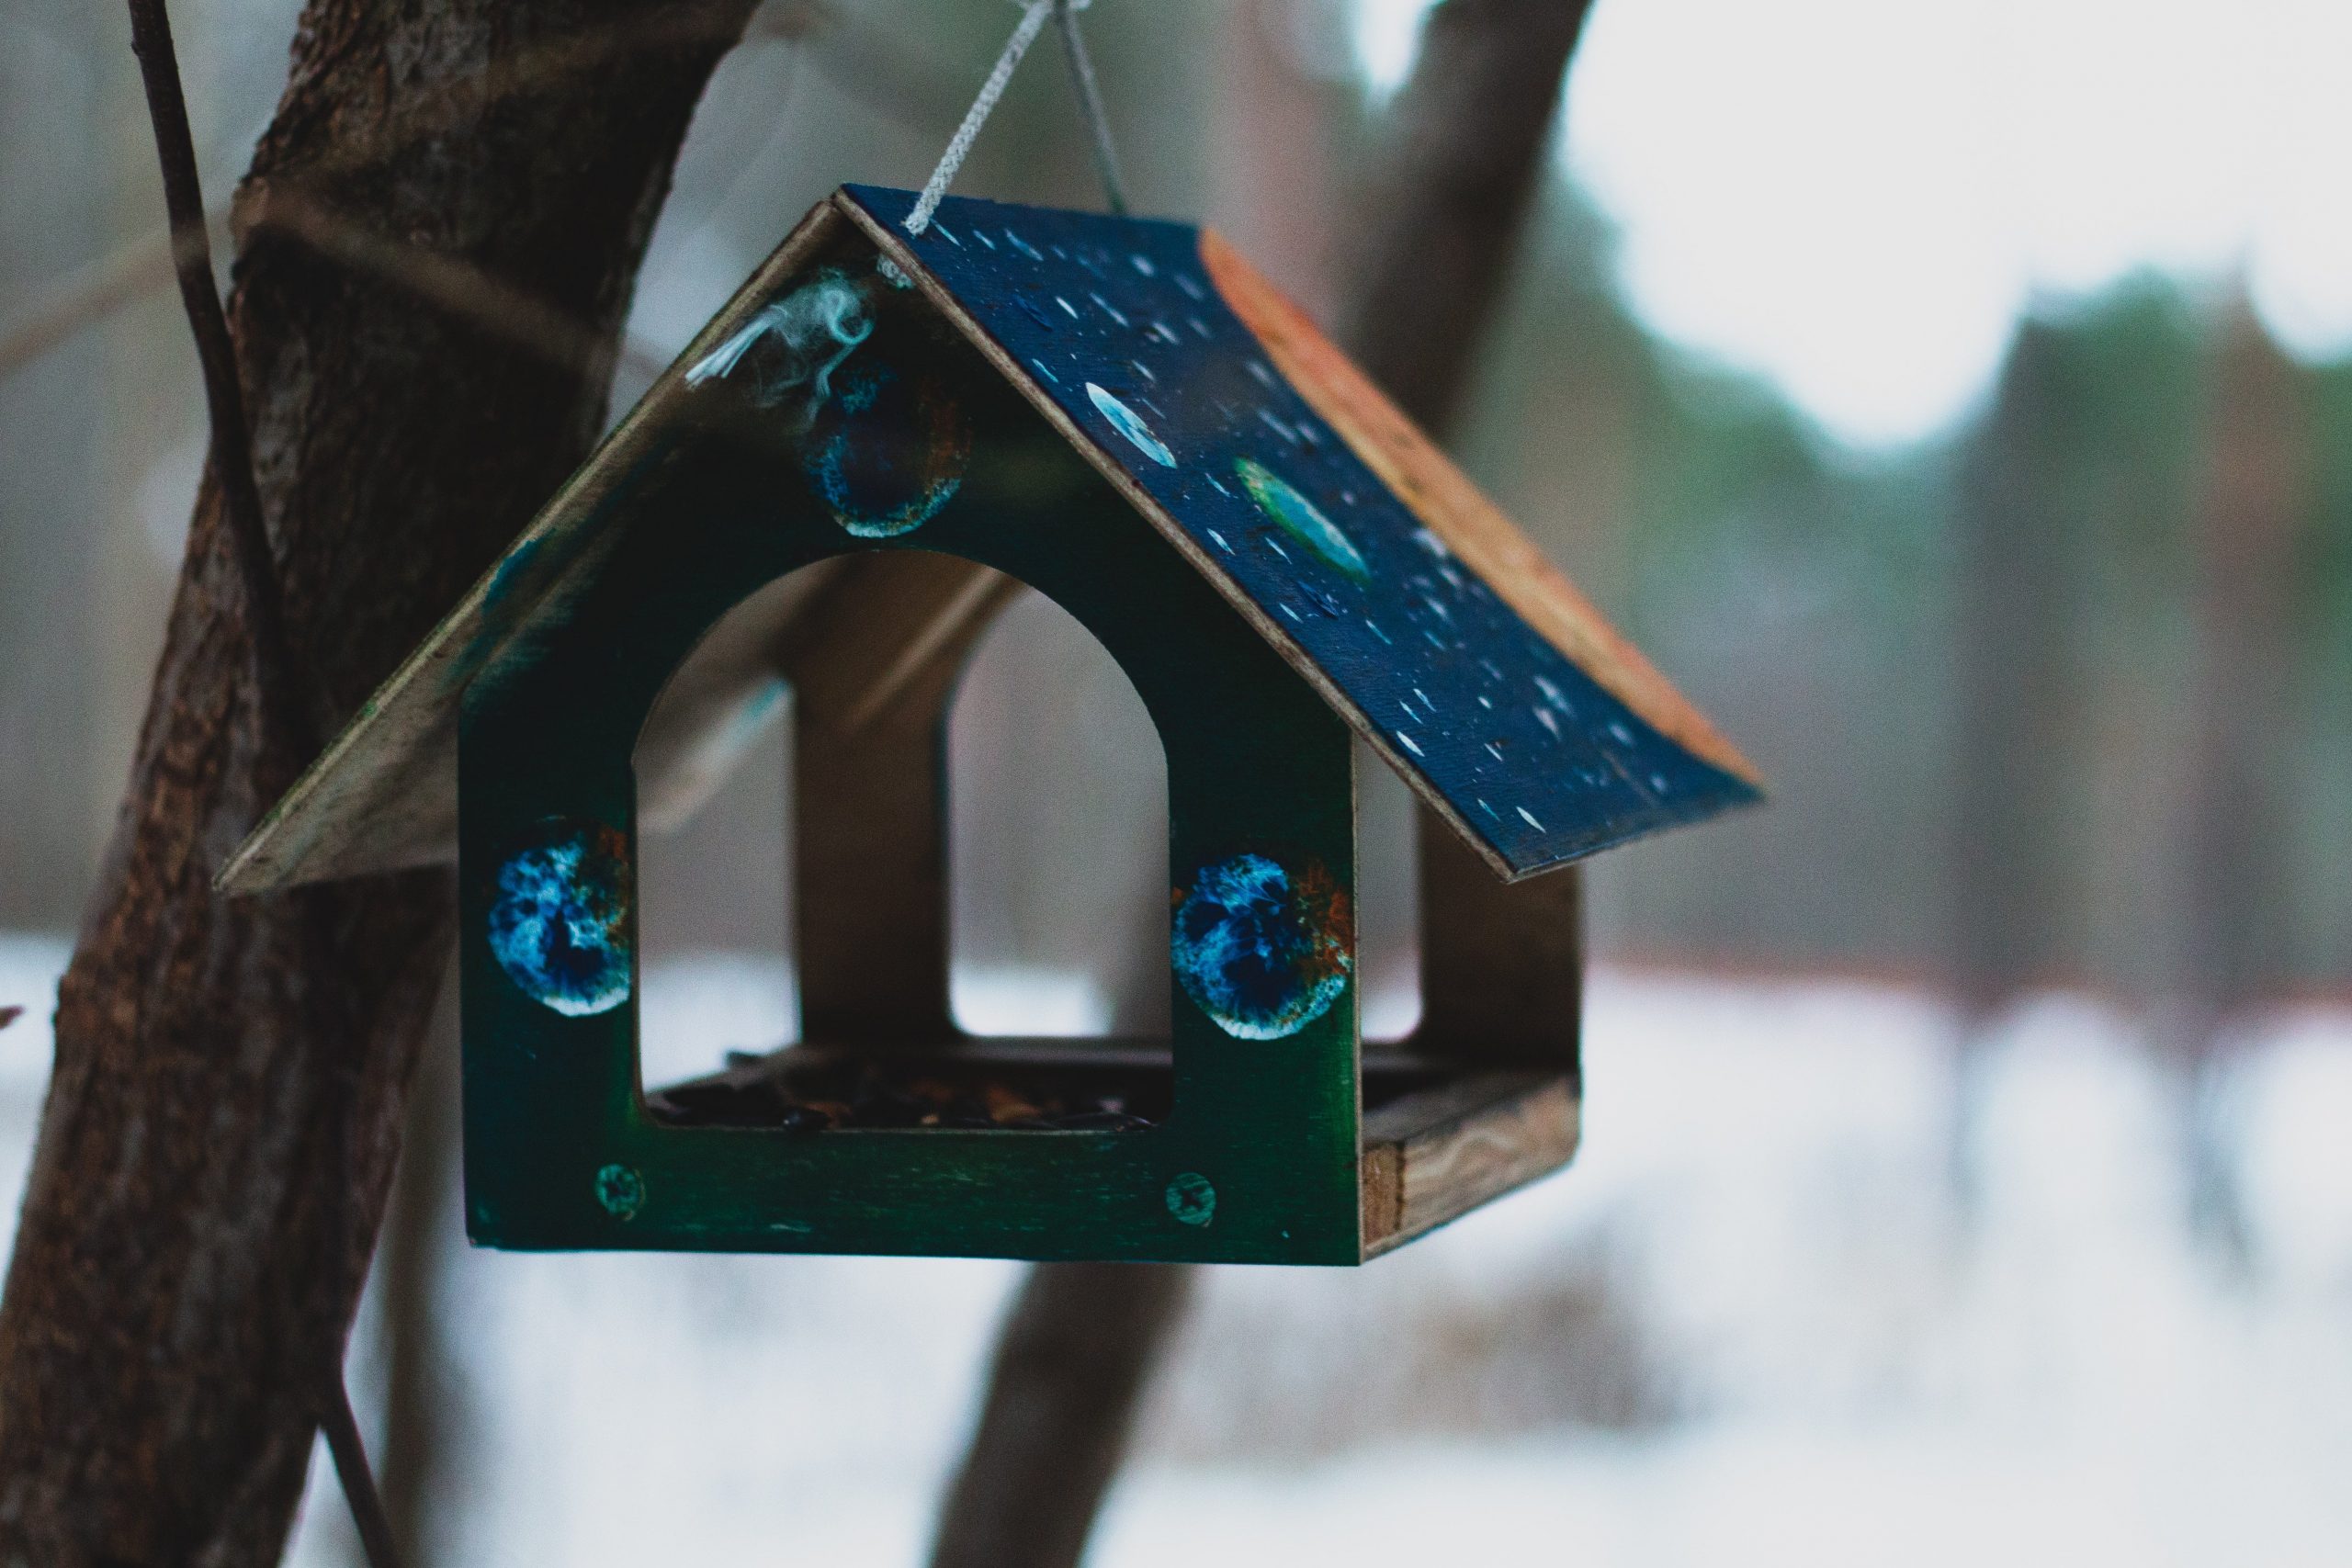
x=1750 y=1326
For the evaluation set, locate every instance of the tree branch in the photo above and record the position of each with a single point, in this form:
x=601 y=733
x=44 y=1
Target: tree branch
x=286 y=707
x=224 y=1112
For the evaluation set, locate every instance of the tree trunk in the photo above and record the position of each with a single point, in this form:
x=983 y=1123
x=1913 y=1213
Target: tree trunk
x=198 y=1216
x=1441 y=221
x=2020 y=533
x=2232 y=931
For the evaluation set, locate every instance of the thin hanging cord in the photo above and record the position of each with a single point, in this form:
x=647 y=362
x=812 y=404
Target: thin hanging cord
x=959 y=146
x=1090 y=103
x=1090 y=107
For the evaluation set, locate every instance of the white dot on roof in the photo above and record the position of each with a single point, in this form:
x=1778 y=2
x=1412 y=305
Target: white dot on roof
x=1040 y=367
x=1127 y=422
x=1199 y=326
x=1486 y=702
x=1425 y=698
x=1220 y=541
x=1657 y=783
x=947 y=234
x=1191 y=287
x=1408 y=710
x=1488 y=809
x=1109 y=310
x=1216 y=487
x=1543 y=716
x=1429 y=542
x=1620 y=732
x=1528 y=817
x=1257 y=368
x=1144 y=370
x=983 y=239
x=1143 y=265
x=1407 y=742
x=1378 y=633
x=1496 y=749
x=1291 y=612
x=1066 y=306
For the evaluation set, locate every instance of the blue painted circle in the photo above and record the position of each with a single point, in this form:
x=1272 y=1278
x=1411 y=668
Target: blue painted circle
x=888 y=452
x=1300 y=518
x=1261 y=953
x=1129 y=424
x=558 y=924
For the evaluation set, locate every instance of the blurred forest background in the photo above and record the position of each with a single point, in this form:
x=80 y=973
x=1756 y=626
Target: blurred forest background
x=2045 y=666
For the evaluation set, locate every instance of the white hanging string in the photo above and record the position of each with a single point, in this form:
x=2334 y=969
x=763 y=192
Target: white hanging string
x=959 y=146
x=1089 y=105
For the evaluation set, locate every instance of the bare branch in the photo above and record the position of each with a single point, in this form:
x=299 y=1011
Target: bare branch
x=286 y=713
x=455 y=284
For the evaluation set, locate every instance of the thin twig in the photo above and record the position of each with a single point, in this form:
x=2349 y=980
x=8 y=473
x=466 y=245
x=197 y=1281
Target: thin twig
x=87 y=296
x=285 y=712
x=449 y=282
x=855 y=56
x=342 y=1429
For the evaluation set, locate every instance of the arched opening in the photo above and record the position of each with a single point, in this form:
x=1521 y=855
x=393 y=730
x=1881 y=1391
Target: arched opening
x=1058 y=793
x=714 y=855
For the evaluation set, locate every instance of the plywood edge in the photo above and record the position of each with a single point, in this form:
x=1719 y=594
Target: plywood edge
x=321 y=827
x=1434 y=1157
x=1472 y=526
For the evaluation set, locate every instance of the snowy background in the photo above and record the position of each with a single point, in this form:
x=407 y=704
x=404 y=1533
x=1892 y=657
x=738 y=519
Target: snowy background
x=1749 y=1324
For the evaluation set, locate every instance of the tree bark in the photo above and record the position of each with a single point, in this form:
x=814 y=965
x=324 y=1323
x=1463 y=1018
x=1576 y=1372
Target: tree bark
x=197 y=1219
x=1440 y=222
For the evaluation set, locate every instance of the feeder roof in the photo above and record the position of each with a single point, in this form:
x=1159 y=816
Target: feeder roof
x=1238 y=432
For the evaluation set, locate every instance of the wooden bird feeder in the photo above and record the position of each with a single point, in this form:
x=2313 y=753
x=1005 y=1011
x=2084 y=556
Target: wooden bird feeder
x=1124 y=415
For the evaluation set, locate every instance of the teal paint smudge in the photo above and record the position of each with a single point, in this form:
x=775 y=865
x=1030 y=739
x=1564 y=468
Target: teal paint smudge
x=1301 y=518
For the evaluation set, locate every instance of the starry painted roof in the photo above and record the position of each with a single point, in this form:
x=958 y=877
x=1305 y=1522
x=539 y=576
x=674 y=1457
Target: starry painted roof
x=1472 y=665
x=1338 y=530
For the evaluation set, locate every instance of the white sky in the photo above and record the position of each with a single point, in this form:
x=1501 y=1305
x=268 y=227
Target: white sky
x=1857 y=198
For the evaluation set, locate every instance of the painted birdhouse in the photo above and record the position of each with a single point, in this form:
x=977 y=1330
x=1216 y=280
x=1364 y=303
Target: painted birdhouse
x=835 y=488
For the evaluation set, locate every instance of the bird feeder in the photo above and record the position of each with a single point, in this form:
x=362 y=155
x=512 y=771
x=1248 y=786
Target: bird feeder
x=1123 y=415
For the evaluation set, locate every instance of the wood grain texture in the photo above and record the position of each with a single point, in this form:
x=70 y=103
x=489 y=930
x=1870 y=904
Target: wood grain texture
x=1434 y=1157
x=174 y=1300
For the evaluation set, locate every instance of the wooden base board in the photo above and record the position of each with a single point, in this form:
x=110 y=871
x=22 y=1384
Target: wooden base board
x=1438 y=1140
